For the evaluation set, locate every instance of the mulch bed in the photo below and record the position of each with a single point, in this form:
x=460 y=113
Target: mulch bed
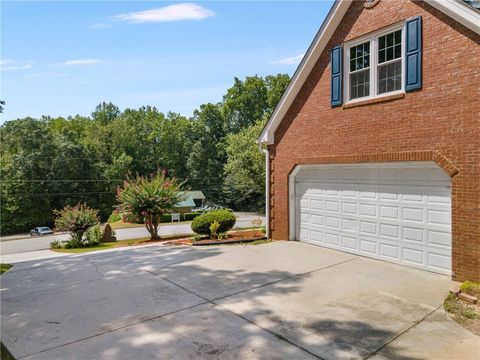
x=226 y=241
x=233 y=237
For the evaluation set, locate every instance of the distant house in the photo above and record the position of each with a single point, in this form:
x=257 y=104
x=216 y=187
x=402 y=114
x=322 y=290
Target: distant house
x=197 y=196
x=191 y=200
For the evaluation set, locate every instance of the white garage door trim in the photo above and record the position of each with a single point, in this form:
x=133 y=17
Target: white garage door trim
x=404 y=175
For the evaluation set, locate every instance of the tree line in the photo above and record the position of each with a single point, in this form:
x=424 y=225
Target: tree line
x=52 y=162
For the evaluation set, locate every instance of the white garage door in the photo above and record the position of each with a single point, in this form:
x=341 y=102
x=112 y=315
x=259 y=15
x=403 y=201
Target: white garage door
x=398 y=212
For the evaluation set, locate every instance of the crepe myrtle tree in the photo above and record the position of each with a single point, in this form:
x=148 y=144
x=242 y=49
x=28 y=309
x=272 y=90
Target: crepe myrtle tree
x=76 y=219
x=148 y=198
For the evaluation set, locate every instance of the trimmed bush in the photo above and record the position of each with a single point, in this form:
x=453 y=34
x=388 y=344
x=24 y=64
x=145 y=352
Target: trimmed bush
x=183 y=217
x=201 y=224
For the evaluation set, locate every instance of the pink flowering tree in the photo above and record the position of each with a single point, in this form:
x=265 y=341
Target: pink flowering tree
x=76 y=219
x=148 y=198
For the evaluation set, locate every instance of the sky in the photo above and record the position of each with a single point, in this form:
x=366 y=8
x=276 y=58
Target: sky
x=62 y=58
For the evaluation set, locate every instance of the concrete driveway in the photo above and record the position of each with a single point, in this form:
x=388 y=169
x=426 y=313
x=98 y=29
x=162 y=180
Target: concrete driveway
x=283 y=300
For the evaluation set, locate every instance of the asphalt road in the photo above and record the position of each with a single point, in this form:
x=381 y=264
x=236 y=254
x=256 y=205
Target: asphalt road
x=28 y=243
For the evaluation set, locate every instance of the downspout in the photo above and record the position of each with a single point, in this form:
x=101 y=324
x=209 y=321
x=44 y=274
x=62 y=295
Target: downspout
x=267 y=191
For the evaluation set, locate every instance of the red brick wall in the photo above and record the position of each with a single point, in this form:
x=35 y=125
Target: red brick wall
x=441 y=122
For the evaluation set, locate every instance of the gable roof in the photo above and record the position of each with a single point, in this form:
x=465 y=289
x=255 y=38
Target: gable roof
x=195 y=194
x=187 y=201
x=456 y=9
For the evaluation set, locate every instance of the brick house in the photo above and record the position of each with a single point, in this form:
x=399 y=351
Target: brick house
x=374 y=148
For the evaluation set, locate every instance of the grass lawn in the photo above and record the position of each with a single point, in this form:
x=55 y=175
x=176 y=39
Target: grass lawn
x=120 y=243
x=104 y=246
x=123 y=225
x=4 y=268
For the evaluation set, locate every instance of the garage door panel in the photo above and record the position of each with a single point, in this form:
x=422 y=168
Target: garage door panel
x=388 y=192
x=439 y=238
x=369 y=247
x=389 y=231
x=414 y=214
x=350 y=225
x=389 y=250
x=395 y=212
x=349 y=242
x=332 y=239
x=414 y=234
x=389 y=212
x=332 y=206
x=316 y=236
x=368 y=228
x=368 y=210
x=438 y=217
x=349 y=193
x=332 y=222
x=438 y=261
x=316 y=205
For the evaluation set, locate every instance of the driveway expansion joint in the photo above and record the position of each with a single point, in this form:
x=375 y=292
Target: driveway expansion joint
x=113 y=330
x=285 y=278
x=212 y=302
x=415 y=323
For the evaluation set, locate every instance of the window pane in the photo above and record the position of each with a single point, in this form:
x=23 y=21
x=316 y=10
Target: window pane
x=359 y=57
x=398 y=51
x=390 y=77
x=390 y=46
x=390 y=53
x=360 y=84
x=398 y=37
x=381 y=56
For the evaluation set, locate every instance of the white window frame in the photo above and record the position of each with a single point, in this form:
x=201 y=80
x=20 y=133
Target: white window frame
x=373 y=39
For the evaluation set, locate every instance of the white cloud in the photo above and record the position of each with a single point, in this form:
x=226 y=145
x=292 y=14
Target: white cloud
x=186 y=11
x=82 y=62
x=294 y=60
x=44 y=75
x=12 y=65
x=101 y=26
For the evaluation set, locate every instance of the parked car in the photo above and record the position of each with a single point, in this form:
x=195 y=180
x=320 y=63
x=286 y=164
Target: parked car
x=41 y=230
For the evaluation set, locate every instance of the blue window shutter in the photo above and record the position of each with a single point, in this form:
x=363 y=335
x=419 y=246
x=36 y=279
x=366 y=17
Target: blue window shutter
x=336 y=85
x=413 y=60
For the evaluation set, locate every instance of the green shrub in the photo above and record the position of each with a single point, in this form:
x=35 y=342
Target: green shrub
x=191 y=216
x=93 y=236
x=56 y=244
x=114 y=217
x=183 y=217
x=214 y=229
x=201 y=224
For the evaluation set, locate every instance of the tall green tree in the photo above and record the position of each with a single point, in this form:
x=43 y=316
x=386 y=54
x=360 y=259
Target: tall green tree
x=245 y=103
x=245 y=170
x=207 y=155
